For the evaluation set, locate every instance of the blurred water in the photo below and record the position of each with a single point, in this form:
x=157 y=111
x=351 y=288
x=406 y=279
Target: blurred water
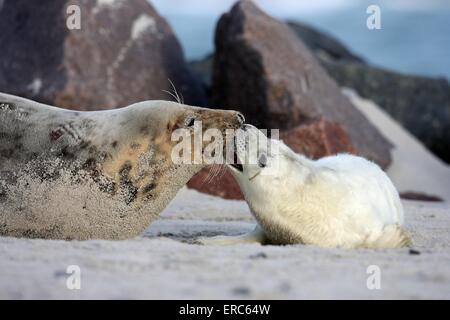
x=414 y=38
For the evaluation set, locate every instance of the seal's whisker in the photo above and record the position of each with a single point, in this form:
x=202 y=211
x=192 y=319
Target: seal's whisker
x=218 y=172
x=210 y=175
x=222 y=171
x=179 y=100
x=205 y=179
x=214 y=173
x=182 y=98
x=172 y=95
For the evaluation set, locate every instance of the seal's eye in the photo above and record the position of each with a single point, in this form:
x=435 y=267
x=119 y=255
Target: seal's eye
x=189 y=121
x=262 y=161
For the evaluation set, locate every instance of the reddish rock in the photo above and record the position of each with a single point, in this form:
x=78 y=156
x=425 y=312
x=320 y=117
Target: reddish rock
x=123 y=53
x=264 y=70
x=224 y=185
x=318 y=139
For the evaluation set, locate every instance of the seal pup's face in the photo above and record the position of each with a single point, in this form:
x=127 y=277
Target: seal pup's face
x=265 y=166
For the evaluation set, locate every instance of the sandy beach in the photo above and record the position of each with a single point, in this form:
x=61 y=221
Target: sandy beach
x=164 y=264
x=278 y=73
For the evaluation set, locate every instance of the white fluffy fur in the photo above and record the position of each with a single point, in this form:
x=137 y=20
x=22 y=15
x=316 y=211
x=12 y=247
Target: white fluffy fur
x=337 y=201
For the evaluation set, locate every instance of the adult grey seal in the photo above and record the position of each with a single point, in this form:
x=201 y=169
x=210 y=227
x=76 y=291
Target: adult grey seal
x=81 y=175
x=337 y=201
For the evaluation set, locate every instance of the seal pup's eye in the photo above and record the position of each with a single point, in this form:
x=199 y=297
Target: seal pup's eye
x=262 y=161
x=189 y=121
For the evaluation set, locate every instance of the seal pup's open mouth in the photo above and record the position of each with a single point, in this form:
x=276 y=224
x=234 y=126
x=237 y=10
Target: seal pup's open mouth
x=236 y=165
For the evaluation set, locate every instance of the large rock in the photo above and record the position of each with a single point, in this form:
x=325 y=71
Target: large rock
x=222 y=185
x=202 y=69
x=318 y=139
x=420 y=104
x=324 y=46
x=263 y=69
x=123 y=53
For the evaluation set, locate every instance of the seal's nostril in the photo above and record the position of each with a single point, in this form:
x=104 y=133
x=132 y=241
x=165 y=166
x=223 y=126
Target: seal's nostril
x=240 y=117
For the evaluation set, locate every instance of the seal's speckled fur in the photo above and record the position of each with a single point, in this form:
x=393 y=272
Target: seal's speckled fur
x=81 y=175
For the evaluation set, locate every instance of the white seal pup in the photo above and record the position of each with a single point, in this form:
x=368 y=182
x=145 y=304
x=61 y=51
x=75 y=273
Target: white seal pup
x=337 y=201
x=80 y=175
